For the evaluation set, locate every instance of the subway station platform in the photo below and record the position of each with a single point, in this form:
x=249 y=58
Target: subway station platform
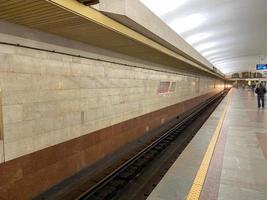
x=227 y=159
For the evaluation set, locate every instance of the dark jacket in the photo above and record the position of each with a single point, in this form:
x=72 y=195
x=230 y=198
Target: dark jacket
x=260 y=91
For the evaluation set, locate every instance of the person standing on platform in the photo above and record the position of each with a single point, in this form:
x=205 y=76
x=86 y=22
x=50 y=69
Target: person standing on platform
x=260 y=91
x=253 y=85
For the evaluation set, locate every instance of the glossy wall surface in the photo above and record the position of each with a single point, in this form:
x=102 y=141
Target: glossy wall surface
x=50 y=98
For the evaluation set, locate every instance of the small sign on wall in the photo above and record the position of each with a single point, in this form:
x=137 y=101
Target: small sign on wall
x=163 y=87
x=261 y=67
x=172 y=87
x=166 y=87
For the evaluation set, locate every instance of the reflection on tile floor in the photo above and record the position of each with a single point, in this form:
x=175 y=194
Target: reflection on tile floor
x=244 y=172
x=238 y=170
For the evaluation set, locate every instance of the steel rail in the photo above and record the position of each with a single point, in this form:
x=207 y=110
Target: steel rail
x=91 y=191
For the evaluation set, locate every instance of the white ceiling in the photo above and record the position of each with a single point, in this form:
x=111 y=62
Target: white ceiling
x=231 y=34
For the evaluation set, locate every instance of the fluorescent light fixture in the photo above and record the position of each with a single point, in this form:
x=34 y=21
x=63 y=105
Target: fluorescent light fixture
x=205 y=46
x=210 y=53
x=214 y=57
x=190 y=22
x=216 y=60
x=196 y=38
x=161 y=8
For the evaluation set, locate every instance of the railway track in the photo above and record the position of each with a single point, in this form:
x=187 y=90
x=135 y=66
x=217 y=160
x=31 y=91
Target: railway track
x=111 y=186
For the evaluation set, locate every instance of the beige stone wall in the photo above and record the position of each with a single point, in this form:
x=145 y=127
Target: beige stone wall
x=1 y=129
x=1 y=151
x=49 y=98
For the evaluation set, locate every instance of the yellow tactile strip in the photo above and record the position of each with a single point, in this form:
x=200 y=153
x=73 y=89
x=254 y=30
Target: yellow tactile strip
x=198 y=183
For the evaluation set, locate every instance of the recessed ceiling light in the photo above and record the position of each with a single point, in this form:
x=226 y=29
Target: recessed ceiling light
x=162 y=8
x=190 y=22
x=205 y=46
x=193 y=39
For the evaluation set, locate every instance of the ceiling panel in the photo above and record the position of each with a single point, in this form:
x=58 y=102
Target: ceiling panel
x=221 y=30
